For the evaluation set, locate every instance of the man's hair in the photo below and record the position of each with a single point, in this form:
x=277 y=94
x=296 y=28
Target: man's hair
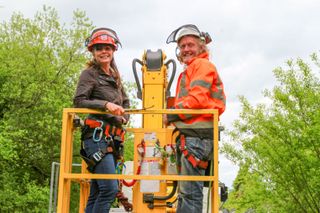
x=202 y=44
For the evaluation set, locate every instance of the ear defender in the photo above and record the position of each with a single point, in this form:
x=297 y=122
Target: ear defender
x=87 y=41
x=178 y=53
x=204 y=36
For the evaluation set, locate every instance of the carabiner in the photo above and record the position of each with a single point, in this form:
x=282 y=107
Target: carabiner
x=98 y=131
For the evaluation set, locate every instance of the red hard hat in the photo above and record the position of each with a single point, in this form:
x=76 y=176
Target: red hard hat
x=103 y=36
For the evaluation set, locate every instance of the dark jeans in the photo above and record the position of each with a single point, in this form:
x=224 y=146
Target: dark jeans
x=102 y=192
x=191 y=192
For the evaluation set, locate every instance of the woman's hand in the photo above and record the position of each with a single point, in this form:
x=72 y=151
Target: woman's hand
x=114 y=108
x=120 y=120
x=124 y=121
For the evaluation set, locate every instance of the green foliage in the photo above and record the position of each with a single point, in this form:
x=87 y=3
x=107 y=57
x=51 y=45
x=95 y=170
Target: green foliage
x=250 y=192
x=130 y=89
x=41 y=60
x=40 y=64
x=32 y=198
x=279 y=157
x=129 y=146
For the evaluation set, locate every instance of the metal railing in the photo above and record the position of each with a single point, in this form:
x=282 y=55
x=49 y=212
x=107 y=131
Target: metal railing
x=54 y=181
x=66 y=175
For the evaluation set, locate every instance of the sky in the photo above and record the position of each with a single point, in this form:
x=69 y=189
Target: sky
x=250 y=39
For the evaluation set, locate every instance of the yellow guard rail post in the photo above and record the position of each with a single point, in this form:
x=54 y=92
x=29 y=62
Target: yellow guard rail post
x=66 y=175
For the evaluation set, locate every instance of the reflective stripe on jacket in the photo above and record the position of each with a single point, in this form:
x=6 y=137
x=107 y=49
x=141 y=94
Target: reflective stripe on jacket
x=199 y=87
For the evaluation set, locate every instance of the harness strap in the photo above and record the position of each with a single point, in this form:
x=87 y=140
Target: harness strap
x=141 y=150
x=93 y=160
x=121 y=197
x=92 y=123
x=113 y=131
x=97 y=156
x=190 y=157
x=124 y=201
x=109 y=130
x=106 y=132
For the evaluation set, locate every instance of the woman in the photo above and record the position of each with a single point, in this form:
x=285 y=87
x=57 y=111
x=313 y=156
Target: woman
x=100 y=87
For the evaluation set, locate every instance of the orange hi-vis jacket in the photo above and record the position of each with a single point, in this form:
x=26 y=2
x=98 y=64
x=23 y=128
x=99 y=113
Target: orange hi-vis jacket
x=199 y=87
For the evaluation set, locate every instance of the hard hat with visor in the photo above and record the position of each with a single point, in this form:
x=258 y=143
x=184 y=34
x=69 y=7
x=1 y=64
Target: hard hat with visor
x=102 y=36
x=188 y=29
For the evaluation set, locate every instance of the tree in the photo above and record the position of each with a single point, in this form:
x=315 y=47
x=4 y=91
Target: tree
x=250 y=192
x=279 y=157
x=40 y=64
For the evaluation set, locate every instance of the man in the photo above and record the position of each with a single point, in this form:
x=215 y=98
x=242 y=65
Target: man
x=199 y=87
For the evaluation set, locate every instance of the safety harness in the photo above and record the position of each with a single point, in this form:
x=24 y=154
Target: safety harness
x=110 y=133
x=189 y=156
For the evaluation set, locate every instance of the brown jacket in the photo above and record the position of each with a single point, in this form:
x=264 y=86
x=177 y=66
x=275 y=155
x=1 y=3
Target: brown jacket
x=95 y=89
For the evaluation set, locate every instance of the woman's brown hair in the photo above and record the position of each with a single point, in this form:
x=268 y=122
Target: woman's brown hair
x=113 y=70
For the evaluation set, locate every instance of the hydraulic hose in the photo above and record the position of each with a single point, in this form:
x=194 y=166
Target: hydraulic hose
x=149 y=198
x=139 y=93
x=167 y=197
x=174 y=68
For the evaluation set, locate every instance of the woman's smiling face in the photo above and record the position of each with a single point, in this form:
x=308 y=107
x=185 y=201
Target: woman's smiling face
x=103 y=53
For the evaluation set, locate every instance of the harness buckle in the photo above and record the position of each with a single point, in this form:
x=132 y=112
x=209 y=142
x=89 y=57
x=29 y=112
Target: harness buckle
x=108 y=139
x=97 y=156
x=117 y=138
